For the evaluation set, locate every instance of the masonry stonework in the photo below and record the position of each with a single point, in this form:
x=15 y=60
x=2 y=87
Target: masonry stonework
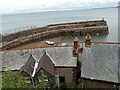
x=99 y=84
x=68 y=73
x=51 y=31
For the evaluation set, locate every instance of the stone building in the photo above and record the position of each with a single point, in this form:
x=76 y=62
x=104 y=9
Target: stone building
x=58 y=62
x=101 y=65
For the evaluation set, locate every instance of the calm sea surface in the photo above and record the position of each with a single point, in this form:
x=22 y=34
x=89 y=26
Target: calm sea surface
x=16 y=22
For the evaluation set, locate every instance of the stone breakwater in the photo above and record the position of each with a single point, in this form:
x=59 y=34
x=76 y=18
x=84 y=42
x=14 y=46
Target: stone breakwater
x=51 y=31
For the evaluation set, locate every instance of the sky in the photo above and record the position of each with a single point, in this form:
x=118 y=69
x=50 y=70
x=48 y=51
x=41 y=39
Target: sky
x=11 y=6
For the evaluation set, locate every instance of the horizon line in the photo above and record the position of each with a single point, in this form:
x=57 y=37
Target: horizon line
x=11 y=13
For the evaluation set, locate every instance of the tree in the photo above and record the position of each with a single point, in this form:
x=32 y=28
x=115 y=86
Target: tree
x=43 y=81
x=13 y=80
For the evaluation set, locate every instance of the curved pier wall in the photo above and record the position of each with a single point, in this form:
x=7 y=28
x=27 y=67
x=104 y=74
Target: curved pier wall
x=51 y=27
x=95 y=22
x=54 y=33
x=20 y=34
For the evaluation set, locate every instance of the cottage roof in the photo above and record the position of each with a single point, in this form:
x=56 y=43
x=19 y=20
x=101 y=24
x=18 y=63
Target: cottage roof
x=46 y=63
x=61 y=56
x=29 y=65
x=32 y=66
x=101 y=62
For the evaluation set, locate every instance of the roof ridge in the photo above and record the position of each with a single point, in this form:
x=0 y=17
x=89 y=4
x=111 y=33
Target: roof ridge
x=106 y=42
x=35 y=66
x=27 y=61
x=34 y=57
x=44 y=51
x=50 y=57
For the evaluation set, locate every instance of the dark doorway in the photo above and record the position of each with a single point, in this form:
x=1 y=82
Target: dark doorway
x=62 y=79
x=62 y=83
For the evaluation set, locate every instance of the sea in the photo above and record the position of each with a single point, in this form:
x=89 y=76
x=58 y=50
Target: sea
x=18 y=22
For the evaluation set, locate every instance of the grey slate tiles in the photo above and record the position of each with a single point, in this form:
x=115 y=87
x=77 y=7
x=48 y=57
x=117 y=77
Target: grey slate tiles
x=101 y=62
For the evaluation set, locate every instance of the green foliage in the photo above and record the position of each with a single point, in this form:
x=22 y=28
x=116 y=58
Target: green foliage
x=55 y=87
x=71 y=85
x=13 y=80
x=0 y=82
x=43 y=83
x=16 y=80
x=80 y=86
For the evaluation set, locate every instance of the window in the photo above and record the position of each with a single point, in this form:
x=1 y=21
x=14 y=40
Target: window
x=62 y=79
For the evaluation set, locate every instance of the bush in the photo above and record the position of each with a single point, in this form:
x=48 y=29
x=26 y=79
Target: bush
x=13 y=80
x=71 y=85
x=42 y=84
x=0 y=82
x=80 y=86
x=56 y=87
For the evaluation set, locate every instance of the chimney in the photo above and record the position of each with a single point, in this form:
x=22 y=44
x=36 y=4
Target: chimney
x=88 y=40
x=75 y=46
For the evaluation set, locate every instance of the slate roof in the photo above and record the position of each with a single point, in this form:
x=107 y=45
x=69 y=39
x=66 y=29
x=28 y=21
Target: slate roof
x=46 y=63
x=29 y=65
x=61 y=56
x=101 y=62
x=32 y=66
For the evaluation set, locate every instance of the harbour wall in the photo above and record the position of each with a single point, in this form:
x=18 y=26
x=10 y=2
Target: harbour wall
x=62 y=26
x=51 y=34
x=54 y=30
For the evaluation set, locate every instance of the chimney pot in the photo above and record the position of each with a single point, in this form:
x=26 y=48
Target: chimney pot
x=75 y=43
x=88 y=40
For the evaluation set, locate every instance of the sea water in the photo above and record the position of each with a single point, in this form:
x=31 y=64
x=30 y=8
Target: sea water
x=17 y=22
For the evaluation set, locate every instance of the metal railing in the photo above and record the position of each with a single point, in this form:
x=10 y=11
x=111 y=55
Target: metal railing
x=18 y=30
